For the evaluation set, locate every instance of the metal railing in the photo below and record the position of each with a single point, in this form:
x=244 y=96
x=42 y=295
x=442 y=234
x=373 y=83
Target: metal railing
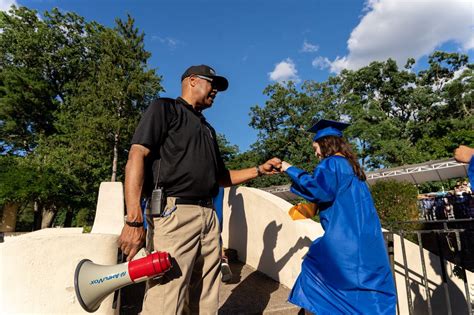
x=450 y=240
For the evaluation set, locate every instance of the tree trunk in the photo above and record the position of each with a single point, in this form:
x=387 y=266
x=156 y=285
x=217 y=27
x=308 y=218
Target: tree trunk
x=115 y=160
x=48 y=215
x=8 y=223
x=37 y=216
x=68 y=219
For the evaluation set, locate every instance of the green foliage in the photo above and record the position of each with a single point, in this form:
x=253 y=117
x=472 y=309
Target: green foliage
x=25 y=182
x=84 y=218
x=40 y=62
x=395 y=201
x=25 y=219
x=96 y=127
x=267 y=181
x=15 y=179
x=285 y=117
x=402 y=117
x=227 y=150
x=87 y=229
x=282 y=122
x=71 y=94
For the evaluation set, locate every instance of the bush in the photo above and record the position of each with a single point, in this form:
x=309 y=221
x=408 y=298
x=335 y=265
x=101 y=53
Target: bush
x=84 y=218
x=395 y=201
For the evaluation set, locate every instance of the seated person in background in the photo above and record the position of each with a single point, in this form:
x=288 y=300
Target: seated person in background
x=458 y=188
x=465 y=188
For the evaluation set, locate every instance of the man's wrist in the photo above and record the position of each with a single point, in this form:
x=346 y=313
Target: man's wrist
x=134 y=223
x=259 y=172
x=134 y=216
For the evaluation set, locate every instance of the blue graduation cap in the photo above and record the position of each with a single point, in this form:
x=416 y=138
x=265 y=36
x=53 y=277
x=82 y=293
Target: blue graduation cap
x=325 y=128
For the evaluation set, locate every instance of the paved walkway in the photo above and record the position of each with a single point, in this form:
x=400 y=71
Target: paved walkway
x=252 y=292
x=249 y=292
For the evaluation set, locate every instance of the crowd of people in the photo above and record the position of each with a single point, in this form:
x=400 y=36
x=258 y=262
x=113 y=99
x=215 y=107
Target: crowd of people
x=455 y=204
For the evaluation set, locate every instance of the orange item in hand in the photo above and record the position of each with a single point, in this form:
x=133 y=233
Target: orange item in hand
x=303 y=211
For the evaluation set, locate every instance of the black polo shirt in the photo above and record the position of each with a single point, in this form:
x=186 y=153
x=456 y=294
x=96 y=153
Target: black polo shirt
x=190 y=158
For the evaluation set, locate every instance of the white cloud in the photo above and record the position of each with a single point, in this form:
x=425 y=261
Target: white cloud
x=6 y=4
x=284 y=71
x=321 y=63
x=172 y=43
x=400 y=29
x=308 y=47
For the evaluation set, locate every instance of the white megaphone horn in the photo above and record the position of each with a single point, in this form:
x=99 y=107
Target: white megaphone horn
x=93 y=282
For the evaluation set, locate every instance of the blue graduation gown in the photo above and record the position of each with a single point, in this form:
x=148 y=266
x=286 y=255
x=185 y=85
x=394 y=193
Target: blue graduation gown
x=470 y=171
x=218 y=202
x=346 y=271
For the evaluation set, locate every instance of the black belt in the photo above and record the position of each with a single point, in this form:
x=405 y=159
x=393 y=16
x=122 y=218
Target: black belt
x=207 y=202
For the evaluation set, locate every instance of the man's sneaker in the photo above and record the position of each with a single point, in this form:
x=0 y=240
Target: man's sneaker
x=226 y=273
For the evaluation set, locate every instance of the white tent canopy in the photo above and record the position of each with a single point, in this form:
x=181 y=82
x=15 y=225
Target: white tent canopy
x=415 y=174
x=421 y=173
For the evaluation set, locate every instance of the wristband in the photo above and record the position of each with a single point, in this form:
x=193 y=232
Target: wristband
x=134 y=224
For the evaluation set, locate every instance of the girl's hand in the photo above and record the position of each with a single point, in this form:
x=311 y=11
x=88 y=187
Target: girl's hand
x=284 y=166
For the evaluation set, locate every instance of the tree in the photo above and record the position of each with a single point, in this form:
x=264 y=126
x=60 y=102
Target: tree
x=39 y=188
x=72 y=92
x=397 y=116
x=40 y=61
x=106 y=109
x=96 y=126
x=287 y=114
x=227 y=150
x=395 y=201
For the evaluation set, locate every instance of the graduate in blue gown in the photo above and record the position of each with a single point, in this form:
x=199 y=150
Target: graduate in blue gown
x=346 y=271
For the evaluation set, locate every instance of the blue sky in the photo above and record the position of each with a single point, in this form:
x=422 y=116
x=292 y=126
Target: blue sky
x=255 y=43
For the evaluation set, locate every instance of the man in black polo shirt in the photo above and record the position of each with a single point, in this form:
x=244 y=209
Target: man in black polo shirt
x=191 y=171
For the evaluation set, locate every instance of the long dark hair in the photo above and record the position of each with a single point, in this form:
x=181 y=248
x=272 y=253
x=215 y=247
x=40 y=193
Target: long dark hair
x=330 y=145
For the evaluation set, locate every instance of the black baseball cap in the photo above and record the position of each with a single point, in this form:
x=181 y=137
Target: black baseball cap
x=219 y=82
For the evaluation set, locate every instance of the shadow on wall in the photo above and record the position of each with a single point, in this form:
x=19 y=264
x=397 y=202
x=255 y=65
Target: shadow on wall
x=443 y=292
x=254 y=292
x=237 y=223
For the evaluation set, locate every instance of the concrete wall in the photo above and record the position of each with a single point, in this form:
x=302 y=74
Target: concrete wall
x=258 y=226
x=37 y=269
x=109 y=215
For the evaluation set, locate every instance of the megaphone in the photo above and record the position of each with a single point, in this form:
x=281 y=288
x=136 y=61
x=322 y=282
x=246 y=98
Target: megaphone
x=93 y=282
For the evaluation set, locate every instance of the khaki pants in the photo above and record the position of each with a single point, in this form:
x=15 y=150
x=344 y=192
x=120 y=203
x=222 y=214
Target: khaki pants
x=191 y=236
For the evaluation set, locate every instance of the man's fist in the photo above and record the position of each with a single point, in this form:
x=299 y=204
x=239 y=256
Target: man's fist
x=271 y=166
